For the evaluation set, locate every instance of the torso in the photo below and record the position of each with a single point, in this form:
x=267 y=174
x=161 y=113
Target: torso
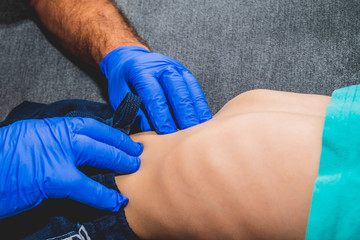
x=248 y=173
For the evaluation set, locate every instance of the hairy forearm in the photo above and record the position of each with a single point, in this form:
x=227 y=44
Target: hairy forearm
x=89 y=29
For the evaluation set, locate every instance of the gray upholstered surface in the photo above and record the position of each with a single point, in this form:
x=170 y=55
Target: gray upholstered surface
x=230 y=46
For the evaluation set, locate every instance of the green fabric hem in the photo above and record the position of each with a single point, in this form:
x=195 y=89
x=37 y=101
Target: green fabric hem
x=335 y=208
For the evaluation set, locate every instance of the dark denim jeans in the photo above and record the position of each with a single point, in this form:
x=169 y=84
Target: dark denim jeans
x=64 y=218
x=121 y=119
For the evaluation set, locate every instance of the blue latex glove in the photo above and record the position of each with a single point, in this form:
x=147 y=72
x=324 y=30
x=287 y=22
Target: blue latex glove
x=163 y=84
x=38 y=160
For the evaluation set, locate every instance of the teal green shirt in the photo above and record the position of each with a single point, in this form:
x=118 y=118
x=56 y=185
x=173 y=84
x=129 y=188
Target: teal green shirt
x=335 y=208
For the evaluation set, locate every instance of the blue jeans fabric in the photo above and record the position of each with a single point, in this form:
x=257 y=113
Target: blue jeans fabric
x=63 y=218
x=121 y=119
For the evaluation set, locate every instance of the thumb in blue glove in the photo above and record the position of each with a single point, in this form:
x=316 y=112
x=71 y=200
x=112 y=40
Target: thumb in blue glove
x=39 y=160
x=171 y=95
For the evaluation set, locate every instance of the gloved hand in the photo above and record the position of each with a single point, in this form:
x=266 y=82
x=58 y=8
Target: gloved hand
x=163 y=84
x=38 y=160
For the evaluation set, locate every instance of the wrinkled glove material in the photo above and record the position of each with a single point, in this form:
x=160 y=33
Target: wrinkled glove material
x=172 y=97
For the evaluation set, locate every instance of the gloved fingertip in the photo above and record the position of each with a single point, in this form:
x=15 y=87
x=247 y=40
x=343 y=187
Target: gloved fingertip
x=121 y=201
x=205 y=118
x=130 y=165
x=166 y=128
x=124 y=202
x=137 y=164
x=163 y=131
x=141 y=148
x=190 y=123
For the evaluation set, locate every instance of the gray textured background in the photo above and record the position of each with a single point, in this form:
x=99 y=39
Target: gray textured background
x=230 y=47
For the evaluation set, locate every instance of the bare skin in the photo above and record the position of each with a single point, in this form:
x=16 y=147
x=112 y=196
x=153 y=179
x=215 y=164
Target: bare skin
x=246 y=174
x=89 y=29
